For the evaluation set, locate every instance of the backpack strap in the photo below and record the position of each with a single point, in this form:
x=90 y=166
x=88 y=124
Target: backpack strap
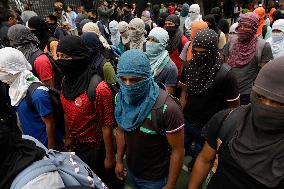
x=157 y=112
x=264 y=31
x=33 y=58
x=228 y=127
x=96 y=79
x=29 y=94
x=221 y=74
x=144 y=47
x=259 y=49
x=31 y=172
x=232 y=43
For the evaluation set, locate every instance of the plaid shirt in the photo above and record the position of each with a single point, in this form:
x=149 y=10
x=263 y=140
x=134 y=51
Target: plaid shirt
x=86 y=119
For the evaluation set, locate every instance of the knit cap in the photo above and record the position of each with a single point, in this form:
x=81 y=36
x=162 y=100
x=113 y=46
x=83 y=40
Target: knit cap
x=269 y=82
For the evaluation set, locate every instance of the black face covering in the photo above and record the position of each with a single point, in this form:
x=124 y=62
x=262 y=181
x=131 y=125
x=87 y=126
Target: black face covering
x=258 y=144
x=263 y=114
x=72 y=68
x=39 y=34
x=93 y=19
x=171 y=31
x=160 y=22
x=52 y=28
x=204 y=67
x=77 y=70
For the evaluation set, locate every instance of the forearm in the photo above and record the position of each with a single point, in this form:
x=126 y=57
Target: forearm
x=120 y=142
x=183 y=100
x=176 y=163
x=199 y=174
x=108 y=141
x=50 y=130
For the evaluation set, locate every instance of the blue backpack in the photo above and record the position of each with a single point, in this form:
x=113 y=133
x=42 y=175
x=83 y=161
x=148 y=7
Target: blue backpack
x=72 y=170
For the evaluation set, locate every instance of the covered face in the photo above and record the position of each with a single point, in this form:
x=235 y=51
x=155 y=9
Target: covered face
x=194 y=11
x=135 y=99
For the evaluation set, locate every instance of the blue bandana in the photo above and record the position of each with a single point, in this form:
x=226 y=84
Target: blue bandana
x=184 y=10
x=135 y=102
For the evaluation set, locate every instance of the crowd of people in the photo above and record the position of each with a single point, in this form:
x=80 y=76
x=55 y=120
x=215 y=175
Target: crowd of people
x=142 y=91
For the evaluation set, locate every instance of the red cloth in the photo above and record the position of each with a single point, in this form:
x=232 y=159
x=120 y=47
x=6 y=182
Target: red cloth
x=171 y=10
x=43 y=68
x=175 y=55
x=85 y=122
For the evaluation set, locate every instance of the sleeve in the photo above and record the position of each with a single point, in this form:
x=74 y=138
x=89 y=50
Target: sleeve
x=173 y=117
x=172 y=75
x=266 y=55
x=41 y=101
x=184 y=40
x=231 y=89
x=183 y=53
x=211 y=130
x=43 y=68
x=107 y=12
x=104 y=105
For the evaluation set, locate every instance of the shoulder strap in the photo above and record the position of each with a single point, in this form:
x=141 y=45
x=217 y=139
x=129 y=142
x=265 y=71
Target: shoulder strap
x=33 y=58
x=259 y=48
x=96 y=79
x=264 y=31
x=225 y=68
x=30 y=92
x=232 y=43
x=31 y=172
x=229 y=125
x=144 y=47
x=157 y=112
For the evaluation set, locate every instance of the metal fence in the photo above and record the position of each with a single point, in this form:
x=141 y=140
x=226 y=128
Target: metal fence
x=42 y=7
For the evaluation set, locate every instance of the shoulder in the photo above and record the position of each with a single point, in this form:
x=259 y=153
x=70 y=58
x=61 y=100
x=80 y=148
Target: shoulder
x=171 y=106
x=184 y=40
x=40 y=94
x=171 y=66
x=42 y=58
x=103 y=89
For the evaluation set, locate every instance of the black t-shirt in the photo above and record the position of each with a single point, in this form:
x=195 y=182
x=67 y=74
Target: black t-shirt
x=229 y=174
x=201 y=107
x=148 y=151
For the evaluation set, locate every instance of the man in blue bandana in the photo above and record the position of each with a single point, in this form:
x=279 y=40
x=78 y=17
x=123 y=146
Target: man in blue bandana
x=150 y=126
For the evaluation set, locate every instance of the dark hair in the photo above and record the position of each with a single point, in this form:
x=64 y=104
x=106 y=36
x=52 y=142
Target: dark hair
x=93 y=11
x=52 y=18
x=58 y=9
x=5 y=14
x=71 y=7
x=27 y=6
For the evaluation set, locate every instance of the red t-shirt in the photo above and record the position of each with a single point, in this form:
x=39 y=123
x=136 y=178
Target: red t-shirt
x=175 y=55
x=86 y=119
x=43 y=68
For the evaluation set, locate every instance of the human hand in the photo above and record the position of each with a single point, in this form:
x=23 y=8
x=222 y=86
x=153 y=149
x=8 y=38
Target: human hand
x=120 y=171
